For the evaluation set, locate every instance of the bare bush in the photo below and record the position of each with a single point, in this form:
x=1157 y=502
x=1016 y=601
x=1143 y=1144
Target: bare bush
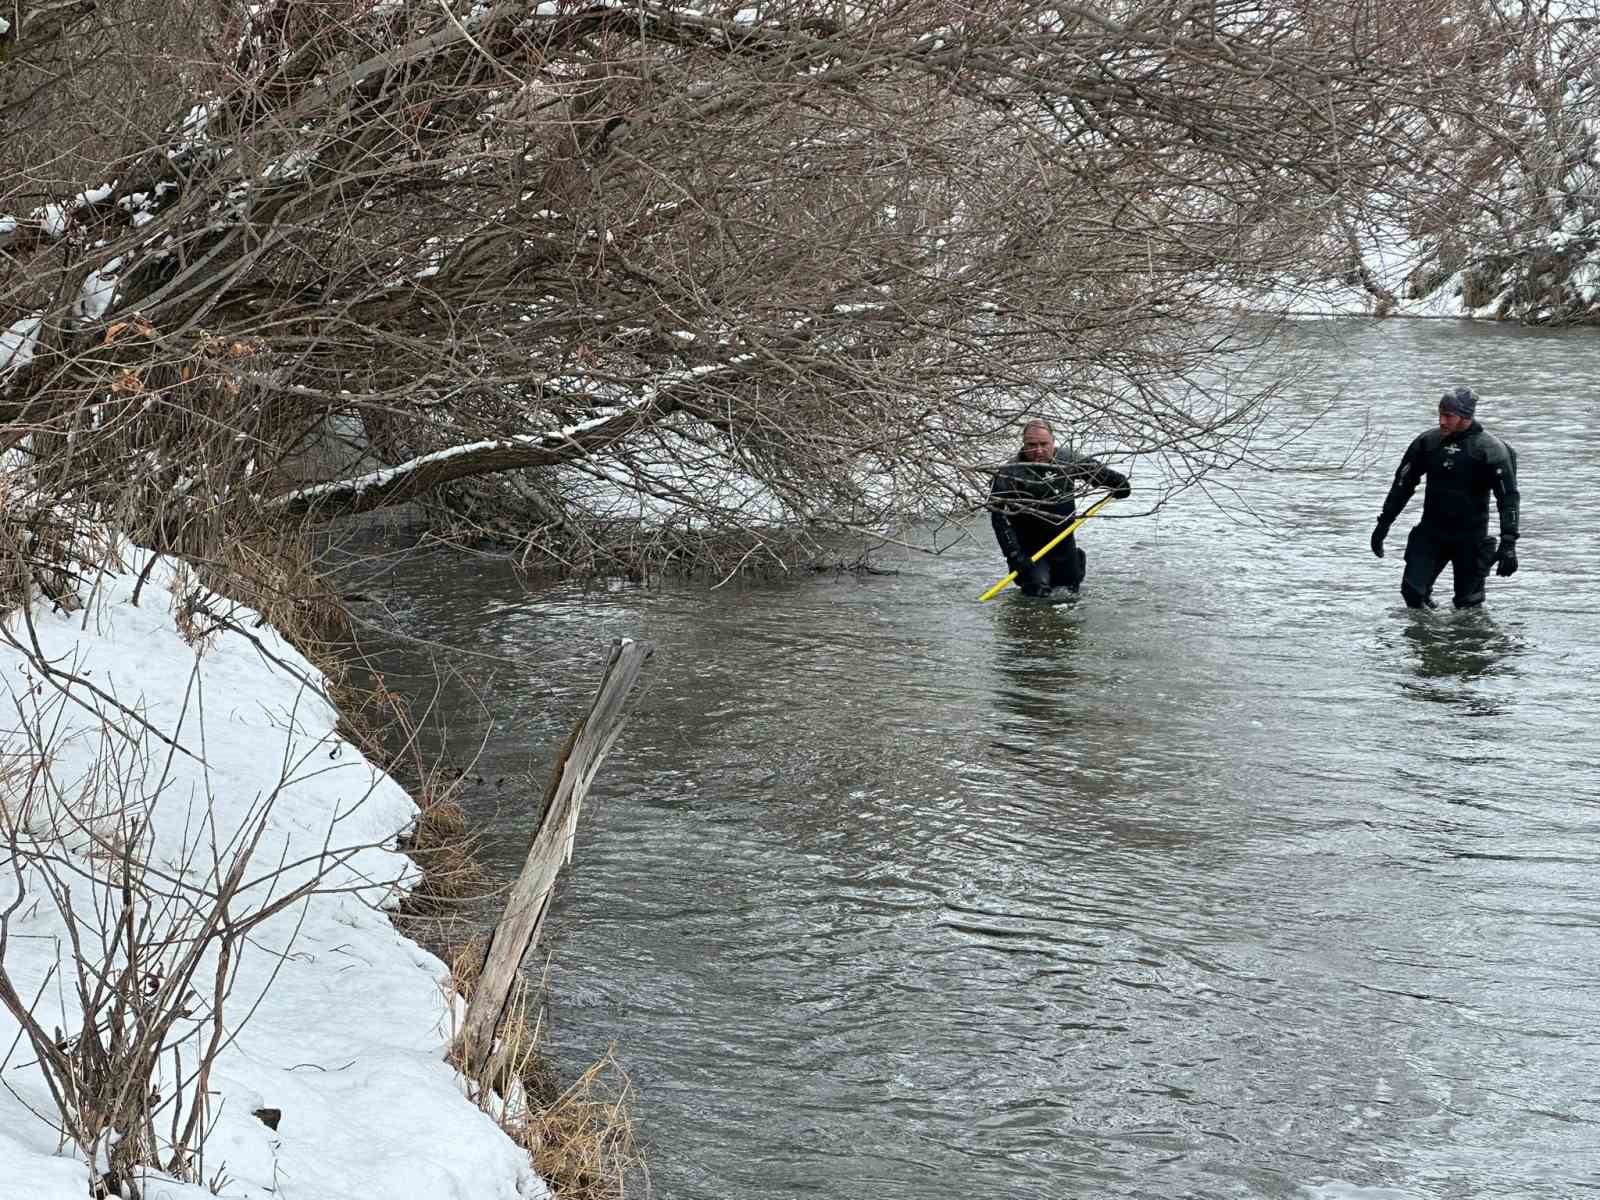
x=732 y=279
x=1503 y=206
x=126 y=1027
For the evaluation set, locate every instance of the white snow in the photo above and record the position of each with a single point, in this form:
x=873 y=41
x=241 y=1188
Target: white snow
x=192 y=130
x=99 y=289
x=198 y=117
x=17 y=343
x=349 y=1036
x=54 y=218
x=293 y=165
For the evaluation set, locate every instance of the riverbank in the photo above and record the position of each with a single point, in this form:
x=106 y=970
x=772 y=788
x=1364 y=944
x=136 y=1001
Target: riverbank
x=201 y=870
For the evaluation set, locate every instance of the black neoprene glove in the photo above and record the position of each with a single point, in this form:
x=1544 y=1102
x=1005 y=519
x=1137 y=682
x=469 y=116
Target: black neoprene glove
x=1506 y=561
x=1123 y=490
x=1379 y=532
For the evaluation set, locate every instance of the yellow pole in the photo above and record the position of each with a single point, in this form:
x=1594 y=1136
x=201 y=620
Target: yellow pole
x=1047 y=547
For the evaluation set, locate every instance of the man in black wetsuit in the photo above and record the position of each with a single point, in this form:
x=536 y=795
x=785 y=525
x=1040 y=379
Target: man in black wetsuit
x=1032 y=498
x=1464 y=464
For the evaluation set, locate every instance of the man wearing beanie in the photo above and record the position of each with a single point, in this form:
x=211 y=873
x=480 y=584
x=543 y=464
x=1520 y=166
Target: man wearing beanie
x=1464 y=463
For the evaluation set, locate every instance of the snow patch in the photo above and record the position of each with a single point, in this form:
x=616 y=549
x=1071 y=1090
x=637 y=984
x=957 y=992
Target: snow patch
x=349 y=1035
x=98 y=291
x=17 y=344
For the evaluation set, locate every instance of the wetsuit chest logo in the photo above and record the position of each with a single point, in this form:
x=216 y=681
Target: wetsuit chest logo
x=1450 y=453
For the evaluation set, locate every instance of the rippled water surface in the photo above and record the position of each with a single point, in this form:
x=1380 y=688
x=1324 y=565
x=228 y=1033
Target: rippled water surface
x=1233 y=878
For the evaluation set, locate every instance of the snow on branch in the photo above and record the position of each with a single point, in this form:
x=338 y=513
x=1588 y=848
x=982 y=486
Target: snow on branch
x=17 y=342
x=410 y=479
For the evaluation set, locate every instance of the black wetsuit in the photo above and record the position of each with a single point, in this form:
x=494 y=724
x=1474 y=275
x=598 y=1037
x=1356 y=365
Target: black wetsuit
x=1463 y=469
x=1031 y=502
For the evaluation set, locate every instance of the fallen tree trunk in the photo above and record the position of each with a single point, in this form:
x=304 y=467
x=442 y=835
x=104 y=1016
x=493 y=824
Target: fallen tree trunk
x=519 y=925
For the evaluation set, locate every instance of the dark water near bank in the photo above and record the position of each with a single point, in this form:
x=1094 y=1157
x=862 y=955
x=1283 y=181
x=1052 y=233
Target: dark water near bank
x=1232 y=879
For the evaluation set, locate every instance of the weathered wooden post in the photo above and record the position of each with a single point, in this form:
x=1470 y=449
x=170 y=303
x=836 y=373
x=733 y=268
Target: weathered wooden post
x=518 y=928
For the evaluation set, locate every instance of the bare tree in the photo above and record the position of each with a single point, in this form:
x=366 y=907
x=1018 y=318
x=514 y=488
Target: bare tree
x=1502 y=211
x=721 y=270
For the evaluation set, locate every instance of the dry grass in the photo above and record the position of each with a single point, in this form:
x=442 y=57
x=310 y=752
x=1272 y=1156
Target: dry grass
x=445 y=849
x=517 y=1065
x=378 y=721
x=16 y=579
x=579 y=1137
x=277 y=574
x=188 y=611
x=275 y=571
x=16 y=774
x=582 y=1142
x=466 y=963
x=45 y=551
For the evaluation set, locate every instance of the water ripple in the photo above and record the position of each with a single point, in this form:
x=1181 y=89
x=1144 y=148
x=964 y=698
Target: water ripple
x=1232 y=879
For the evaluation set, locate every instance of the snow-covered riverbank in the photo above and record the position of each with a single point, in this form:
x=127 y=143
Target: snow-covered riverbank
x=137 y=755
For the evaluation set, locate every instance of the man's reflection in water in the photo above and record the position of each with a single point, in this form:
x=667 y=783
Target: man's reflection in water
x=1456 y=653
x=1037 y=668
x=1061 y=740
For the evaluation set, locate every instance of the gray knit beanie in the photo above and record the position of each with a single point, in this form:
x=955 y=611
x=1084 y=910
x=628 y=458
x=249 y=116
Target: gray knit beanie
x=1462 y=402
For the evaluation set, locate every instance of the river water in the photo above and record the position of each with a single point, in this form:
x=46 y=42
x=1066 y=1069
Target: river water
x=1232 y=879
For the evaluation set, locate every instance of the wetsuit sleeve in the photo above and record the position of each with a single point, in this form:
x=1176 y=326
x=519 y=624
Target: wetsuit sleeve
x=1503 y=483
x=1004 y=531
x=1112 y=480
x=1096 y=474
x=1406 y=477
